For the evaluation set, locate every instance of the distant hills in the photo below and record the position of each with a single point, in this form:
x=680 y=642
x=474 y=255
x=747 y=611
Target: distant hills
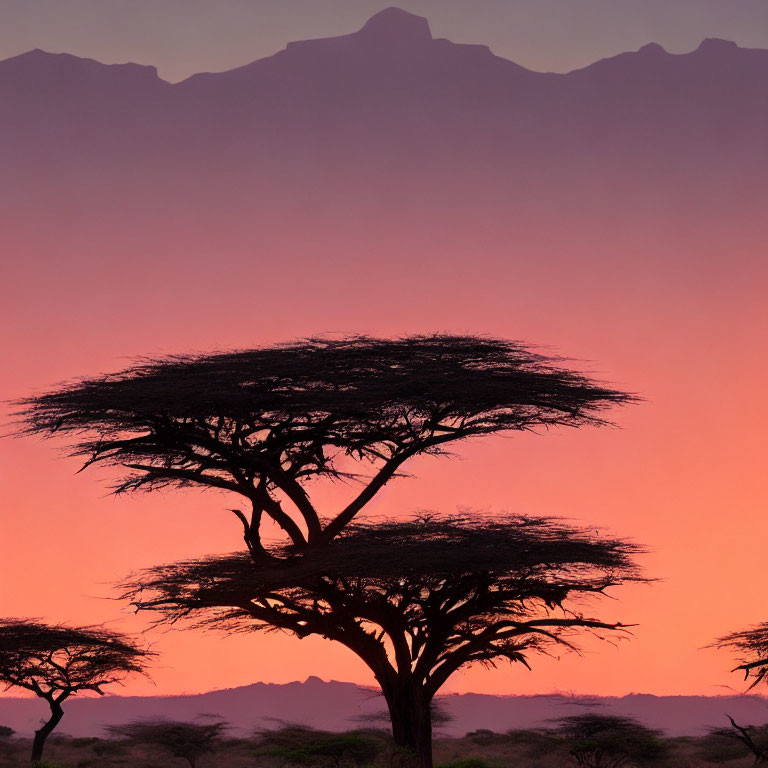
x=389 y=92
x=337 y=706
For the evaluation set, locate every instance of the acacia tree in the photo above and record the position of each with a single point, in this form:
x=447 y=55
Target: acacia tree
x=610 y=741
x=57 y=661
x=415 y=600
x=187 y=740
x=261 y=423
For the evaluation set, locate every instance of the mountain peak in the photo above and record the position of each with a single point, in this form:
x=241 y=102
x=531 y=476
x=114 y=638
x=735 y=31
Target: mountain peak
x=714 y=44
x=396 y=24
x=63 y=66
x=652 y=49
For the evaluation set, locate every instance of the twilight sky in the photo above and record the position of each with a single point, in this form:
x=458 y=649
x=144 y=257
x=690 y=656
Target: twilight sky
x=637 y=280
x=182 y=37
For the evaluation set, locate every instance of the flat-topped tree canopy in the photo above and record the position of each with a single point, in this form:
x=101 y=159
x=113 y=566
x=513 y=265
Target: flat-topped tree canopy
x=261 y=422
x=417 y=598
x=56 y=661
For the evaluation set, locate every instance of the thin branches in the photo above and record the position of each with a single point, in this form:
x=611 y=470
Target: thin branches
x=273 y=418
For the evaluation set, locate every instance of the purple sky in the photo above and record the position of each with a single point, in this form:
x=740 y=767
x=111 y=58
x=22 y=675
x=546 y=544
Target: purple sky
x=182 y=37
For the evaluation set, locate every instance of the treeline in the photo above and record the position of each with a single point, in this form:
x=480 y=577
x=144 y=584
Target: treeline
x=588 y=740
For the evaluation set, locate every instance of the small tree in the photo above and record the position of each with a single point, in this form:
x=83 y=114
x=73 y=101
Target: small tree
x=187 y=740
x=306 y=746
x=736 y=741
x=262 y=423
x=57 y=661
x=415 y=600
x=610 y=741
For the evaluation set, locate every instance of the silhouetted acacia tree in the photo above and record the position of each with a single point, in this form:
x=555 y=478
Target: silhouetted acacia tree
x=187 y=740
x=610 y=741
x=262 y=422
x=722 y=744
x=57 y=661
x=415 y=600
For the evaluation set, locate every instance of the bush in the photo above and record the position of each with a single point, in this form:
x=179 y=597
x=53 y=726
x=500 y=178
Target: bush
x=724 y=744
x=719 y=749
x=535 y=743
x=305 y=746
x=51 y=764
x=85 y=741
x=482 y=736
x=467 y=762
x=182 y=739
x=595 y=739
x=6 y=732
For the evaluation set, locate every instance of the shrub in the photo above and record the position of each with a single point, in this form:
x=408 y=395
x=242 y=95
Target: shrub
x=50 y=764
x=723 y=744
x=482 y=736
x=536 y=744
x=85 y=741
x=610 y=740
x=182 y=739
x=306 y=746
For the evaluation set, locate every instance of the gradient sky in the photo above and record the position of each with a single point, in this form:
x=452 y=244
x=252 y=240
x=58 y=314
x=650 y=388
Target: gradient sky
x=182 y=37
x=684 y=474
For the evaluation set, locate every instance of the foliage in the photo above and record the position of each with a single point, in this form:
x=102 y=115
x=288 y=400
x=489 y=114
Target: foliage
x=535 y=744
x=306 y=746
x=262 y=422
x=609 y=741
x=181 y=739
x=482 y=736
x=414 y=600
x=737 y=741
x=751 y=645
x=6 y=732
x=51 y=764
x=436 y=593
x=467 y=762
x=58 y=661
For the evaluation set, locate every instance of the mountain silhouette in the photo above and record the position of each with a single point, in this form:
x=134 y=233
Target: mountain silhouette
x=339 y=706
x=389 y=93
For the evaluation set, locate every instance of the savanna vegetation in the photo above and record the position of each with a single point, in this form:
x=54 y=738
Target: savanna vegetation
x=593 y=740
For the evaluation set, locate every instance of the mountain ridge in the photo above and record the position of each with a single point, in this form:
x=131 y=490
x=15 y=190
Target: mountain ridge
x=393 y=27
x=337 y=705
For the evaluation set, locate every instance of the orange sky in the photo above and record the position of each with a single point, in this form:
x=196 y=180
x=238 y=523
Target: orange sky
x=659 y=291
x=683 y=475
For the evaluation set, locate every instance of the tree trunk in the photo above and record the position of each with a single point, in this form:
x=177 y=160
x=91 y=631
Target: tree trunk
x=411 y=716
x=41 y=734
